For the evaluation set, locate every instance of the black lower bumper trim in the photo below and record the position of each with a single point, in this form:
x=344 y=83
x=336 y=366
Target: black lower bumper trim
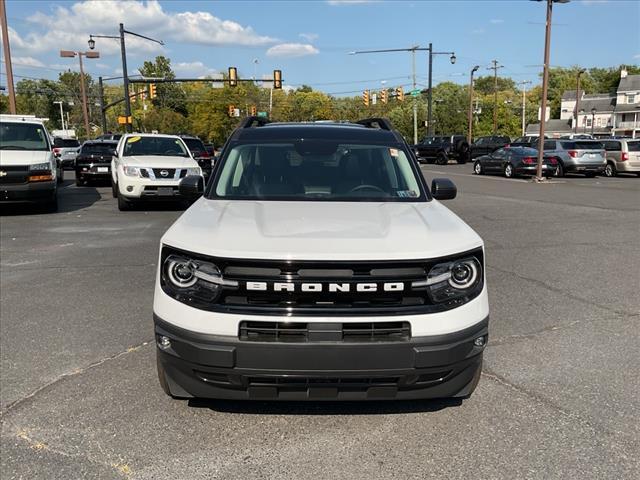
x=210 y=366
x=28 y=192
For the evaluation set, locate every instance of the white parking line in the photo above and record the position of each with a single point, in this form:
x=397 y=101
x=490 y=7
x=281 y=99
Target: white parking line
x=482 y=177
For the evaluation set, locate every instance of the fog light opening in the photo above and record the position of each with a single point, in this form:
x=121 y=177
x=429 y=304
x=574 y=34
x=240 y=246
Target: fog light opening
x=480 y=341
x=164 y=342
x=129 y=188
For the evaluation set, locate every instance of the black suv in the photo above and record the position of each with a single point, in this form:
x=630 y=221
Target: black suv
x=441 y=149
x=488 y=144
x=199 y=152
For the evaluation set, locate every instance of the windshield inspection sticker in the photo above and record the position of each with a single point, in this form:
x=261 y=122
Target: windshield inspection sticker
x=133 y=139
x=393 y=152
x=407 y=193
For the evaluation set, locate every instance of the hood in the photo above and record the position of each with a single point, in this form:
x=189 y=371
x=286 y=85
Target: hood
x=159 y=161
x=24 y=157
x=321 y=230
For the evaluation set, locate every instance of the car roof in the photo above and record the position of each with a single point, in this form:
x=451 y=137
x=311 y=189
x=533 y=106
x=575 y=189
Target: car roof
x=333 y=130
x=100 y=141
x=151 y=135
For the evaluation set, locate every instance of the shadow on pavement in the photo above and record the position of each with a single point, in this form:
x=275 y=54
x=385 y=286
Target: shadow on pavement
x=326 y=408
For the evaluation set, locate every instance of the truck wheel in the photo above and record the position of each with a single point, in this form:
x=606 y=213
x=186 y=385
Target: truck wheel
x=123 y=203
x=52 y=205
x=114 y=189
x=477 y=168
x=560 y=170
x=79 y=181
x=610 y=170
x=442 y=159
x=463 y=153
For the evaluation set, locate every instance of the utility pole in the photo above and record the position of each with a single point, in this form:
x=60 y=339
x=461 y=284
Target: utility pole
x=580 y=72
x=103 y=114
x=452 y=58
x=62 y=117
x=524 y=84
x=494 y=66
x=7 y=57
x=470 y=133
x=83 y=91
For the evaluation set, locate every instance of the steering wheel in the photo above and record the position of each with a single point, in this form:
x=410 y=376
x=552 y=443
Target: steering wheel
x=366 y=187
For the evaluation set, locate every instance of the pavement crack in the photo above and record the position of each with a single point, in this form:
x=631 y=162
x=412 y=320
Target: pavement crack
x=77 y=371
x=509 y=338
x=555 y=289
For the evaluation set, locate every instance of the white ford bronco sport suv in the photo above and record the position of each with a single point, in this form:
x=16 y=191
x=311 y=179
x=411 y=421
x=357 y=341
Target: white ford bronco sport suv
x=318 y=265
x=149 y=167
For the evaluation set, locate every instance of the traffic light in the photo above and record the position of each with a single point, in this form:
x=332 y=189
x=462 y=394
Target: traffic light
x=152 y=90
x=365 y=97
x=254 y=110
x=233 y=77
x=277 y=79
x=232 y=110
x=384 y=96
x=400 y=94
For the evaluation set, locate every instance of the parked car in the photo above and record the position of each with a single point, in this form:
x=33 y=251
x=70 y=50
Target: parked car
x=211 y=150
x=441 y=149
x=66 y=149
x=110 y=136
x=623 y=156
x=577 y=136
x=528 y=141
x=586 y=157
x=488 y=144
x=29 y=170
x=319 y=266
x=94 y=160
x=149 y=167
x=514 y=161
x=199 y=153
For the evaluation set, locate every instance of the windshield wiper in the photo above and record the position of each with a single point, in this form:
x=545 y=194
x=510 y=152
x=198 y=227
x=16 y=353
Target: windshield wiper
x=11 y=147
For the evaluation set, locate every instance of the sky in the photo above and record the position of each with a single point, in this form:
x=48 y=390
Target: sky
x=310 y=41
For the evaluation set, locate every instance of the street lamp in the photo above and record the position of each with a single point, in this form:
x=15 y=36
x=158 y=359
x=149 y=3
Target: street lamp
x=580 y=72
x=545 y=85
x=123 y=52
x=452 y=59
x=470 y=132
x=83 y=91
x=593 y=119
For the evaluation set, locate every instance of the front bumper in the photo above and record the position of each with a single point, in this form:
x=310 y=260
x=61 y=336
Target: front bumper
x=28 y=192
x=225 y=367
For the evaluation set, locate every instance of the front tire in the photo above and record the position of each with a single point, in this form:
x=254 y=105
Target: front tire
x=123 y=203
x=442 y=159
x=610 y=170
x=114 y=189
x=560 y=170
x=477 y=168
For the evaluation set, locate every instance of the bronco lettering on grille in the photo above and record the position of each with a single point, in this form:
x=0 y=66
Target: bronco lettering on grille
x=325 y=287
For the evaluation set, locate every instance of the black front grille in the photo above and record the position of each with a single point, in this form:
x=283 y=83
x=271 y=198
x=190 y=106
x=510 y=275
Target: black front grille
x=14 y=174
x=169 y=173
x=318 y=332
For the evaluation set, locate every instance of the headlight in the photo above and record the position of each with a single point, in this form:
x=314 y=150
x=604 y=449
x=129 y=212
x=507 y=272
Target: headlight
x=40 y=167
x=131 y=171
x=192 y=280
x=453 y=281
x=194 y=171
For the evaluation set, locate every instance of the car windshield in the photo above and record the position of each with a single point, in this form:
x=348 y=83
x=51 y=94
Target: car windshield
x=194 y=144
x=98 y=148
x=317 y=170
x=66 y=143
x=23 y=136
x=160 y=146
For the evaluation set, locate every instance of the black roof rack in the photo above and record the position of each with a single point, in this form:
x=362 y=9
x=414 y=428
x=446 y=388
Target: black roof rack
x=376 y=122
x=250 y=121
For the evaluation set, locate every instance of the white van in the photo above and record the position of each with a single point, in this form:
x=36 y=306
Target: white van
x=29 y=170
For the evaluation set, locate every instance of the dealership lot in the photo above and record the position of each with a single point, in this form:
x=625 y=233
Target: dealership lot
x=558 y=397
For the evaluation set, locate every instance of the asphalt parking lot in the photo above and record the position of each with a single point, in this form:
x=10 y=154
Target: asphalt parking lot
x=559 y=396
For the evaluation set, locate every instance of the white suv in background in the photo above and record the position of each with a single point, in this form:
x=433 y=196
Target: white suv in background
x=149 y=167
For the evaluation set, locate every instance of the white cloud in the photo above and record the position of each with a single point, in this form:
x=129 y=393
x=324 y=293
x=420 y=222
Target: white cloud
x=309 y=37
x=292 y=50
x=594 y=2
x=637 y=55
x=69 y=28
x=27 y=62
x=194 y=69
x=496 y=21
x=478 y=31
x=348 y=2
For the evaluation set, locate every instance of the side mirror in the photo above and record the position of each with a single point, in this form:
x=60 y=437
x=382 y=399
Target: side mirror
x=443 y=189
x=191 y=186
x=114 y=153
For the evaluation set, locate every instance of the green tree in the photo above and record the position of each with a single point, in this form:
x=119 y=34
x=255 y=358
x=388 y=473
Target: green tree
x=169 y=95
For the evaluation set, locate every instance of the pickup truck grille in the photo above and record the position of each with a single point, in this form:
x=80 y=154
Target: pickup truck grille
x=330 y=332
x=11 y=174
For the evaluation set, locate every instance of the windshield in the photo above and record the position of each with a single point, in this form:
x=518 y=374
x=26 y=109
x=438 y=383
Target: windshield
x=194 y=144
x=98 y=148
x=23 y=136
x=66 y=143
x=433 y=140
x=162 y=146
x=317 y=170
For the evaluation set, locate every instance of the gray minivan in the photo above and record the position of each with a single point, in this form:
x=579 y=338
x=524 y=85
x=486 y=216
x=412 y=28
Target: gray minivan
x=586 y=157
x=623 y=156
